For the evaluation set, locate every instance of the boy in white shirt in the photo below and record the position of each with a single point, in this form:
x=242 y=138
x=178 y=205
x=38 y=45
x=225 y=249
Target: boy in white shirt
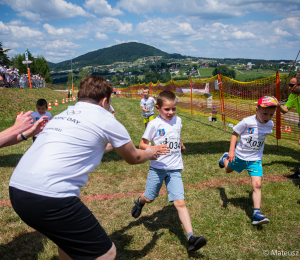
x=41 y=107
x=164 y=131
x=147 y=104
x=248 y=153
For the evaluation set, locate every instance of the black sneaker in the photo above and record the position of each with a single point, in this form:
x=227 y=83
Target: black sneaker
x=196 y=243
x=137 y=208
x=295 y=176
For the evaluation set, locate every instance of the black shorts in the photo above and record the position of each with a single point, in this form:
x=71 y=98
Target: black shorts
x=214 y=119
x=66 y=221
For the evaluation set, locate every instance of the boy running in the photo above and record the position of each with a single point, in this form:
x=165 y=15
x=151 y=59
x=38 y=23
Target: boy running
x=164 y=131
x=147 y=104
x=248 y=153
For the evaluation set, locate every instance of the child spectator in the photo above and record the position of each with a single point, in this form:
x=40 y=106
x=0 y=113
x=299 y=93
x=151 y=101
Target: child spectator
x=248 y=153
x=147 y=104
x=41 y=107
x=214 y=114
x=164 y=131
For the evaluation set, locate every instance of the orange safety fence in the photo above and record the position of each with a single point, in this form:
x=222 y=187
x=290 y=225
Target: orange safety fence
x=233 y=100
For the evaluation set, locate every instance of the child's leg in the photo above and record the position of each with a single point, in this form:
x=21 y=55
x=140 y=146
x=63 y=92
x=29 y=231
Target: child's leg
x=144 y=200
x=227 y=169
x=256 y=196
x=184 y=215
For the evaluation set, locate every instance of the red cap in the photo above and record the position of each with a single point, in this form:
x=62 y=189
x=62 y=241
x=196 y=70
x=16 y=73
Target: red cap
x=267 y=101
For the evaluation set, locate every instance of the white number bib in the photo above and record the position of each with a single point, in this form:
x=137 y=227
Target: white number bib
x=255 y=143
x=174 y=144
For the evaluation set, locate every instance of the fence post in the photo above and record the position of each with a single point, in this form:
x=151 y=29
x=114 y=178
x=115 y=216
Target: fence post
x=192 y=98
x=221 y=99
x=278 y=114
x=151 y=87
x=29 y=79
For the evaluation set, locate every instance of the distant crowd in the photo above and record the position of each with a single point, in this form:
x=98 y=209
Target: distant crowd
x=10 y=77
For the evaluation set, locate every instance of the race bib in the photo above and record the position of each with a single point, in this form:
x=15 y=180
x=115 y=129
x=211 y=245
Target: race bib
x=255 y=143
x=174 y=144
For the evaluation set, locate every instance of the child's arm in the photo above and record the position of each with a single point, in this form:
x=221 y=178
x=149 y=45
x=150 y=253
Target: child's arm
x=163 y=148
x=108 y=148
x=183 y=149
x=145 y=109
x=231 y=154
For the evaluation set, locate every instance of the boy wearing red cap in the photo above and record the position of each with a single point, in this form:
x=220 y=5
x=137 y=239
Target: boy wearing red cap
x=248 y=152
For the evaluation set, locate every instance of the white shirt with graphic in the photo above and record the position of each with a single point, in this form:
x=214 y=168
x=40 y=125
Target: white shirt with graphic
x=36 y=116
x=70 y=146
x=253 y=135
x=148 y=104
x=160 y=132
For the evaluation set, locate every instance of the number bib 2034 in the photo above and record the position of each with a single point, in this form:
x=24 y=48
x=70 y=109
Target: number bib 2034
x=174 y=144
x=255 y=143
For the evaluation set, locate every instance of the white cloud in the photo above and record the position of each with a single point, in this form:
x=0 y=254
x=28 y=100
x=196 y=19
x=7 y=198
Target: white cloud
x=46 y=10
x=101 y=36
x=280 y=32
x=4 y=30
x=60 y=54
x=10 y=45
x=30 y=15
x=119 y=41
x=15 y=22
x=101 y=7
x=243 y=35
x=59 y=45
x=109 y=24
x=61 y=31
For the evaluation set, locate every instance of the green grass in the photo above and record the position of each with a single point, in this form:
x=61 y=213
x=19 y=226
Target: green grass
x=220 y=204
x=206 y=72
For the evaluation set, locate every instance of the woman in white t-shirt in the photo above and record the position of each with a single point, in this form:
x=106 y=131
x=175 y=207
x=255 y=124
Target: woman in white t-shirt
x=45 y=185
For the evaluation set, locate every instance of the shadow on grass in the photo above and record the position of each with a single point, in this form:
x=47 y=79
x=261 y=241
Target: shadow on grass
x=10 y=160
x=166 y=218
x=24 y=246
x=244 y=203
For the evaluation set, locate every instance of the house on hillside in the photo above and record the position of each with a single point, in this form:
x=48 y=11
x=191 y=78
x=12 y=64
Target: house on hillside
x=177 y=71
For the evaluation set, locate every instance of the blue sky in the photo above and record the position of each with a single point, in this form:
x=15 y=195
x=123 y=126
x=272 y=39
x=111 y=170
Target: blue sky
x=60 y=30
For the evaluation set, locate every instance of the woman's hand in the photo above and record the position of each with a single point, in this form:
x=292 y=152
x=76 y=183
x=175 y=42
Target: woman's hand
x=23 y=122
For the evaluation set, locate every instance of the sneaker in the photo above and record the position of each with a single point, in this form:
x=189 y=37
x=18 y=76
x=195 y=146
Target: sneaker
x=259 y=219
x=137 y=208
x=221 y=161
x=196 y=243
x=295 y=176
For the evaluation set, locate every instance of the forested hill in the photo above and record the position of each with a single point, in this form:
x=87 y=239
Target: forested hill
x=122 y=52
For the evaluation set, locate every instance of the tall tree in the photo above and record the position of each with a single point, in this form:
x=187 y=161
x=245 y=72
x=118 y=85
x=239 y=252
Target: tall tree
x=3 y=56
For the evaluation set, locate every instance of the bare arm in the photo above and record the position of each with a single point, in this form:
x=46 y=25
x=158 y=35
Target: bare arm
x=22 y=123
x=283 y=109
x=231 y=154
x=183 y=149
x=137 y=156
x=108 y=148
x=163 y=148
x=34 y=130
x=144 y=109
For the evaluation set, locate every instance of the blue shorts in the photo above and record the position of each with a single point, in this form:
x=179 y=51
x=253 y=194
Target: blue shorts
x=254 y=168
x=173 y=182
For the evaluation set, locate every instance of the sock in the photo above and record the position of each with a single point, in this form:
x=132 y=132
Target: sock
x=189 y=235
x=256 y=211
x=139 y=201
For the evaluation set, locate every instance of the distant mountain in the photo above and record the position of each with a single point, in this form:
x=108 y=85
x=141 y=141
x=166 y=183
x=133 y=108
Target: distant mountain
x=127 y=52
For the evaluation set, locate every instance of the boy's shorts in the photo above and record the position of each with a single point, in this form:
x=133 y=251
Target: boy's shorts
x=254 y=168
x=214 y=119
x=173 y=182
x=148 y=119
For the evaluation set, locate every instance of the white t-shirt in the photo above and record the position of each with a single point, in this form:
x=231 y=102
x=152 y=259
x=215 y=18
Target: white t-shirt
x=148 y=104
x=71 y=145
x=253 y=135
x=160 y=132
x=36 y=116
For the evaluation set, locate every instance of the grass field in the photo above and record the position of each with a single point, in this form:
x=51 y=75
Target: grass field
x=220 y=204
x=206 y=72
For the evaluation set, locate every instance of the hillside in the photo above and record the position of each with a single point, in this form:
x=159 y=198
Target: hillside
x=122 y=52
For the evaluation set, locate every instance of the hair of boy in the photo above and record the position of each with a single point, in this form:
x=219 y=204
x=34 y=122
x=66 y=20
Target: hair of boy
x=297 y=77
x=94 y=89
x=145 y=88
x=165 y=95
x=42 y=102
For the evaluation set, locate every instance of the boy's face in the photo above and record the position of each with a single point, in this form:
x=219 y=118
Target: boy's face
x=167 y=110
x=146 y=93
x=41 y=109
x=264 y=114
